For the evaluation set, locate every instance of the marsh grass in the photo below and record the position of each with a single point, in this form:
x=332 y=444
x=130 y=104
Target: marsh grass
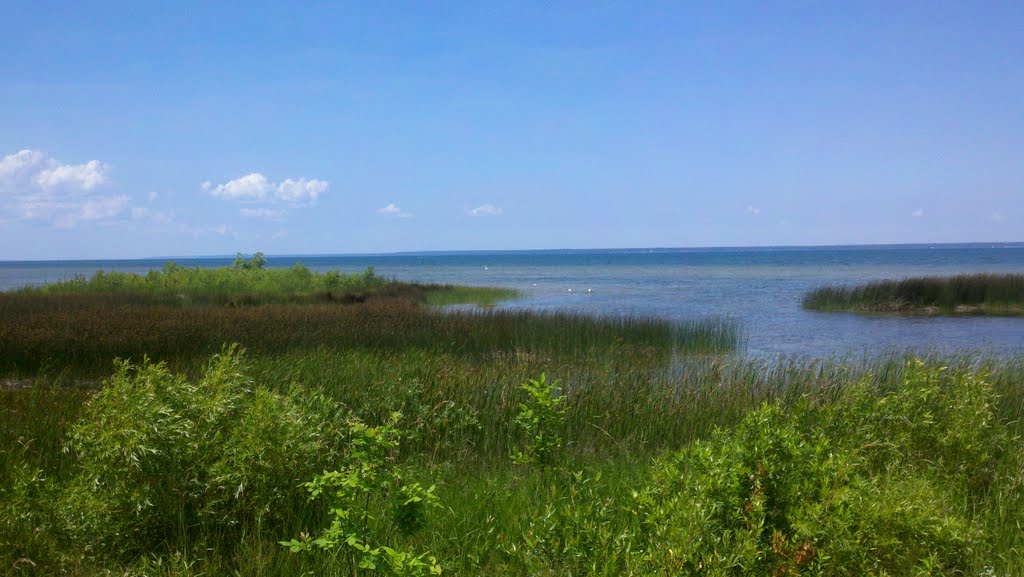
x=672 y=457
x=979 y=294
x=85 y=333
x=442 y=295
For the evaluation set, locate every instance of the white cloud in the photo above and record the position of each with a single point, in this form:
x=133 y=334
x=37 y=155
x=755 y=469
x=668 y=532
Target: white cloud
x=997 y=216
x=261 y=213
x=34 y=187
x=18 y=163
x=917 y=213
x=103 y=207
x=32 y=167
x=255 y=187
x=73 y=176
x=751 y=209
x=394 y=211
x=221 y=230
x=249 y=187
x=301 y=190
x=153 y=195
x=485 y=210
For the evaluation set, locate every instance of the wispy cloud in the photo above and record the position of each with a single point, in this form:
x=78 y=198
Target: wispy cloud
x=917 y=213
x=34 y=187
x=261 y=212
x=485 y=210
x=255 y=187
x=394 y=211
x=997 y=216
x=751 y=209
x=145 y=213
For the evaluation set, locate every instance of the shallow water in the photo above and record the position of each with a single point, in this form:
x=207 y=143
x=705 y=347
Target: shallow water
x=761 y=288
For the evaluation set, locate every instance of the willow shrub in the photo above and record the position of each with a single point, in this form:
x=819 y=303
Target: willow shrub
x=164 y=459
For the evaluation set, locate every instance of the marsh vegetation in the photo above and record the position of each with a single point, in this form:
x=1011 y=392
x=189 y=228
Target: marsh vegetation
x=388 y=437
x=971 y=294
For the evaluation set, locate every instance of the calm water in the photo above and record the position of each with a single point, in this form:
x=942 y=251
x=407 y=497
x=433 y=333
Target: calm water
x=761 y=288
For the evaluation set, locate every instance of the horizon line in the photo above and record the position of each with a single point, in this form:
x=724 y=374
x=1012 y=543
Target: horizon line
x=946 y=245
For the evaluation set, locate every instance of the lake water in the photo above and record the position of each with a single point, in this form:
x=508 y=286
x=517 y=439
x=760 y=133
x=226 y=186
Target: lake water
x=761 y=288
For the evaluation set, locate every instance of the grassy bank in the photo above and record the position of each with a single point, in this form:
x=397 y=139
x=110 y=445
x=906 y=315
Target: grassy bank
x=974 y=294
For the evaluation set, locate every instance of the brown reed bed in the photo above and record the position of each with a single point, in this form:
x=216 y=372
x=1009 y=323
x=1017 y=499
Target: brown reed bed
x=85 y=332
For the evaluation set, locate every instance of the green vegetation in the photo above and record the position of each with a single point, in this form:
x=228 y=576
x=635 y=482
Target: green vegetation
x=248 y=283
x=975 y=294
x=731 y=467
x=82 y=333
x=386 y=437
x=482 y=296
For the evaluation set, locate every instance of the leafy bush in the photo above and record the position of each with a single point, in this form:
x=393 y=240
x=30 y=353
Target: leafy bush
x=775 y=498
x=162 y=457
x=875 y=482
x=937 y=420
x=370 y=500
x=541 y=418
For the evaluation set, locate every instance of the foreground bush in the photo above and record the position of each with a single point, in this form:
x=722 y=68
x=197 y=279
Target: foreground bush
x=876 y=483
x=162 y=458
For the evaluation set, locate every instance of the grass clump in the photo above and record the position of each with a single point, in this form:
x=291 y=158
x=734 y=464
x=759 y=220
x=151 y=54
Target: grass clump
x=978 y=294
x=443 y=295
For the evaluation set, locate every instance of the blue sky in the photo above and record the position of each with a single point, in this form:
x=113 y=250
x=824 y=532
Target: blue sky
x=139 y=129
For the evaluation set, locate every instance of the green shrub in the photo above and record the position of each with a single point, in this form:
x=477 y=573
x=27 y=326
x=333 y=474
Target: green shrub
x=370 y=500
x=936 y=419
x=776 y=498
x=541 y=419
x=162 y=458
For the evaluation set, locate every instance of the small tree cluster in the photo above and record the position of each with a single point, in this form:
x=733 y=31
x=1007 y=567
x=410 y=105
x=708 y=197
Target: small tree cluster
x=256 y=262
